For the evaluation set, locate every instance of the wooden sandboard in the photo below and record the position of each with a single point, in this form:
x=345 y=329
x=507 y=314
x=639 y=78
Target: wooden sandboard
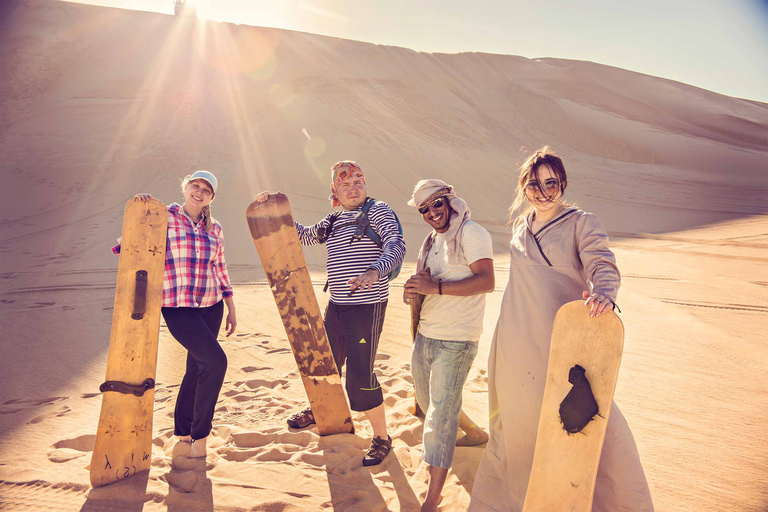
x=565 y=466
x=415 y=318
x=124 y=436
x=277 y=242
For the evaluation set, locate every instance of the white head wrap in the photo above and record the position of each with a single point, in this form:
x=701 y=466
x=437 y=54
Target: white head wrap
x=428 y=190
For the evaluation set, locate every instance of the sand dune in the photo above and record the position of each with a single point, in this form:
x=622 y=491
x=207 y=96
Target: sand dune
x=99 y=104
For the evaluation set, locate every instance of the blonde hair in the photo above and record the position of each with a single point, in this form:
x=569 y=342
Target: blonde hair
x=207 y=208
x=529 y=171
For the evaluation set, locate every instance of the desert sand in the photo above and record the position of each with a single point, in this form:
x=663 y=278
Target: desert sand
x=98 y=104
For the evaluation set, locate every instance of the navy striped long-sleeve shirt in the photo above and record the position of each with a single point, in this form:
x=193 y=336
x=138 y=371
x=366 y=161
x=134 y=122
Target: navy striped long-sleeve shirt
x=348 y=258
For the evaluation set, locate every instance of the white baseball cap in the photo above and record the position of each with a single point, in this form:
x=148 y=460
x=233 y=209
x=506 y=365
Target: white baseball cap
x=207 y=176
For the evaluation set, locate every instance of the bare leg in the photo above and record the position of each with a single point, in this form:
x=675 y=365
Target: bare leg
x=473 y=435
x=185 y=439
x=436 y=482
x=198 y=448
x=378 y=421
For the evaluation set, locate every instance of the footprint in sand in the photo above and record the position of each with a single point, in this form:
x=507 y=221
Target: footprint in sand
x=57 y=411
x=477 y=382
x=264 y=383
x=250 y=409
x=82 y=443
x=182 y=481
x=38 y=305
x=251 y=369
x=162 y=438
x=238 y=396
x=259 y=439
x=399 y=395
x=349 y=499
x=162 y=395
x=61 y=456
x=22 y=404
x=242 y=336
x=266 y=446
x=70 y=449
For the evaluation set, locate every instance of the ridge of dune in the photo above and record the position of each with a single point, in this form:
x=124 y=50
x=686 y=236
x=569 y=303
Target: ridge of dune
x=99 y=104
x=102 y=103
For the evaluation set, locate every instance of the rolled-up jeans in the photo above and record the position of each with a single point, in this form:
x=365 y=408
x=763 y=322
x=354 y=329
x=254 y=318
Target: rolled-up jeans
x=440 y=369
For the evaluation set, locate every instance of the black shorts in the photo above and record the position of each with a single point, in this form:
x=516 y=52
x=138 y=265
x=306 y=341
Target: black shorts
x=354 y=332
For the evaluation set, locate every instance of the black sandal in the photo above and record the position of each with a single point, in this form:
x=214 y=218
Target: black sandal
x=302 y=419
x=378 y=451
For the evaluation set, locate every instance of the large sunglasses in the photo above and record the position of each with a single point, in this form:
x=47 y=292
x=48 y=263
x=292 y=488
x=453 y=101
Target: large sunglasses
x=437 y=203
x=551 y=186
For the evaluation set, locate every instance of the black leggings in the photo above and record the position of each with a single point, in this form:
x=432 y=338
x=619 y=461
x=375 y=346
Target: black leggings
x=196 y=329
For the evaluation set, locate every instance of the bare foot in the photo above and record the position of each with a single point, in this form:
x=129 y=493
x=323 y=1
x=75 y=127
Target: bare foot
x=198 y=450
x=474 y=436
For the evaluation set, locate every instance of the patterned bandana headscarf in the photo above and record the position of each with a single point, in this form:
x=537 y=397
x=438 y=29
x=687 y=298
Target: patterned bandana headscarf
x=427 y=191
x=342 y=171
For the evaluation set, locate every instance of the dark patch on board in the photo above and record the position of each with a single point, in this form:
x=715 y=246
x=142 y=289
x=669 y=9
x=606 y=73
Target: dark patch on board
x=265 y=225
x=579 y=407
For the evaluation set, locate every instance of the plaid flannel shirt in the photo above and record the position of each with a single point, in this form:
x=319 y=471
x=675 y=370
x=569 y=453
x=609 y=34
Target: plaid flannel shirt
x=195 y=271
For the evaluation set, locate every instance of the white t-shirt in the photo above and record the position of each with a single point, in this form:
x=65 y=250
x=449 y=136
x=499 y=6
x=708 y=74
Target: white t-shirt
x=448 y=317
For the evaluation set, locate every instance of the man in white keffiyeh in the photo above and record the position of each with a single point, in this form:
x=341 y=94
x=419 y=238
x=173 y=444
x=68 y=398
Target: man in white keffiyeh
x=454 y=272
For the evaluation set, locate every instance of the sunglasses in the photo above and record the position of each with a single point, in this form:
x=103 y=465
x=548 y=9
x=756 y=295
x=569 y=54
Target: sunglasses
x=550 y=186
x=437 y=203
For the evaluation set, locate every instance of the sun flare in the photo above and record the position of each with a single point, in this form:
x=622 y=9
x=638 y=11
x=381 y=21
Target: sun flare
x=242 y=12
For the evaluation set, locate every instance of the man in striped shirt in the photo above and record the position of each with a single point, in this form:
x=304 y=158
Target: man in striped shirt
x=358 y=274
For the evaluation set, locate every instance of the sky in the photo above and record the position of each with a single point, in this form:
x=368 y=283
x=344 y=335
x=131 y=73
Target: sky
x=720 y=45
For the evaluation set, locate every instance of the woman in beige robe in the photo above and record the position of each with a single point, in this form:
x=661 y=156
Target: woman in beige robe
x=557 y=252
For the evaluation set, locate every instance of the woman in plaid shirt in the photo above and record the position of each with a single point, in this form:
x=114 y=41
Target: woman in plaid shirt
x=195 y=288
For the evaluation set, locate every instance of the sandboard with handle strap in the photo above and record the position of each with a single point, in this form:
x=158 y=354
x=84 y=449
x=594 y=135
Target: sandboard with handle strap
x=124 y=436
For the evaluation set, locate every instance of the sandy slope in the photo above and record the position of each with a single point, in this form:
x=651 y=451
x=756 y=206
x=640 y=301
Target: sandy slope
x=99 y=104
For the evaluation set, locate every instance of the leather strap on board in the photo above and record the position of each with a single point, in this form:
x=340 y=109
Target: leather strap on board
x=140 y=297
x=127 y=389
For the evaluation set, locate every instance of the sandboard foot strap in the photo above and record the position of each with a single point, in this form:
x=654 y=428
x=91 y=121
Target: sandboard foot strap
x=127 y=389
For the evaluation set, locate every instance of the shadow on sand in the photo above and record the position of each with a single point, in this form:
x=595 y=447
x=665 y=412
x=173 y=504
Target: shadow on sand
x=354 y=487
x=188 y=488
x=127 y=495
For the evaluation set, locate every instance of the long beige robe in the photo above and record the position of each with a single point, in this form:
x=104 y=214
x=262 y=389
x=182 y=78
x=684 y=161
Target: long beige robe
x=547 y=271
